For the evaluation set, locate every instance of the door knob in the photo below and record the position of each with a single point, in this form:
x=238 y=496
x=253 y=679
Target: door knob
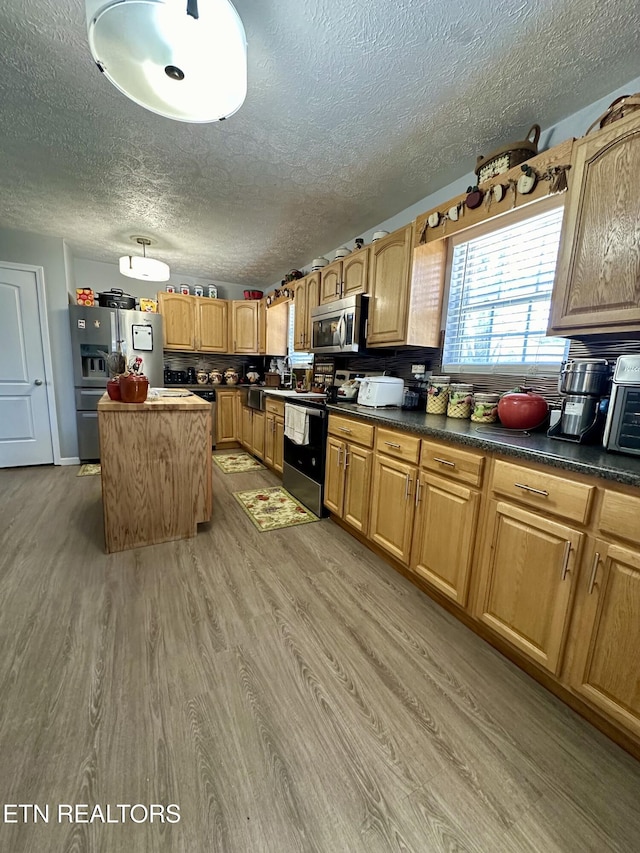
x=38 y=382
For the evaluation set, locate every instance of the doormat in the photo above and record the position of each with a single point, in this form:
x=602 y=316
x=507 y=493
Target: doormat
x=237 y=463
x=88 y=470
x=271 y=509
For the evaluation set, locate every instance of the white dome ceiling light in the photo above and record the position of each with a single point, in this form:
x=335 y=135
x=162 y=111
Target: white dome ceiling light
x=179 y=58
x=144 y=268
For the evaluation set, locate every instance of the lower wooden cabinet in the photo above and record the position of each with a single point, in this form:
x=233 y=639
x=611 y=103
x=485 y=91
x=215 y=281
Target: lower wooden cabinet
x=274 y=441
x=526 y=581
x=226 y=426
x=444 y=535
x=392 y=506
x=258 y=434
x=246 y=433
x=606 y=636
x=348 y=482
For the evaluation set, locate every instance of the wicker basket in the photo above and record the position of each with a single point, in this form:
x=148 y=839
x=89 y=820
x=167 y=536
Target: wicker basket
x=508 y=156
x=621 y=107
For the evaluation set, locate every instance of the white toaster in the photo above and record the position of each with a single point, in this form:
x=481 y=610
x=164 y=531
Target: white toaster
x=377 y=391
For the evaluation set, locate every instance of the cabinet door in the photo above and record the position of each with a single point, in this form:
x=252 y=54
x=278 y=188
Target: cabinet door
x=300 y=315
x=598 y=277
x=357 y=487
x=355 y=273
x=278 y=445
x=606 y=670
x=245 y=326
x=331 y=282
x=237 y=417
x=262 y=327
x=391 y=517
x=258 y=434
x=212 y=325
x=269 y=438
x=334 y=475
x=225 y=418
x=444 y=535
x=247 y=427
x=389 y=288
x=178 y=321
x=313 y=300
x=525 y=588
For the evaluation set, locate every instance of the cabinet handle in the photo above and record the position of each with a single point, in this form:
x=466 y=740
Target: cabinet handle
x=418 y=487
x=565 y=559
x=339 y=454
x=344 y=429
x=346 y=459
x=407 y=486
x=444 y=462
x=337 y=288
x=391 y=444
x=531 y=489
x=594 y=571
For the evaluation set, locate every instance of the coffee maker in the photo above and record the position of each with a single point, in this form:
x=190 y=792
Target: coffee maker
x=585 y=384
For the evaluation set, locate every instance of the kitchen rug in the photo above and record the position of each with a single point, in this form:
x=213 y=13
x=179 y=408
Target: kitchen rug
x=88 y=470
x=271 y=509
x=237 y=463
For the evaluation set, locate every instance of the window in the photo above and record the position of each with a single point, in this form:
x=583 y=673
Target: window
x=298 y=359
x=499 y=298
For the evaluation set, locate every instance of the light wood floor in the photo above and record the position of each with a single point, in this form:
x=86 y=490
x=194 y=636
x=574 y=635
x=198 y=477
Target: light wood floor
x=288 y=690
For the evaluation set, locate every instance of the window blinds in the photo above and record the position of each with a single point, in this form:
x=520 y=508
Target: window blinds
x=499 y=299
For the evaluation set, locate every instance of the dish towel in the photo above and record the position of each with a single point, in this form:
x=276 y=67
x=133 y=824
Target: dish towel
x=296 y=424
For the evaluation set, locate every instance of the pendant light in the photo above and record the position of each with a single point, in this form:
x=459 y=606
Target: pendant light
x=144 y=268
x=183 y=59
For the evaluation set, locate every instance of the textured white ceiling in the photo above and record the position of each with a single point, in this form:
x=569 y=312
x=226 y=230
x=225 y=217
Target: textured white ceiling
x=355 y=111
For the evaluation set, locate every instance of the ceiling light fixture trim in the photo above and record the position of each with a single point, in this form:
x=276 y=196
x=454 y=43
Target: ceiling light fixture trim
x=144 y=268
x=181 y=60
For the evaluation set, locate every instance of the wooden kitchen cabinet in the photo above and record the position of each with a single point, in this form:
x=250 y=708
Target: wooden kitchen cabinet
x=346 y=277
x=526 y=580
x=274 y=434
x=597 y=286
x=247 y=321
x=246 y=435
x=258 y=433
x=392 y=506
x=348 y=482
x=226 y=418
x=306 y=292
x=212 y=325
x=178 y=321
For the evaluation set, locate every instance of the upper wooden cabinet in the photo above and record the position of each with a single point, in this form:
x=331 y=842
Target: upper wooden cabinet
x=277 y=328
x=346 y=277
x=597 y=284
x=405 y=287
x=247 y=326
x=212 y=325
x=179 y=321
x=306 y=295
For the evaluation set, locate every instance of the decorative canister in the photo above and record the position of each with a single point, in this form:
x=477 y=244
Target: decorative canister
x=184 y=289
x=213 y=291
x=133 y=388
x=485 y=408
x=198 y=290
x=215 y=377
x=438 y=395
x=460 y=396
x=202 y=377
x=231 y=376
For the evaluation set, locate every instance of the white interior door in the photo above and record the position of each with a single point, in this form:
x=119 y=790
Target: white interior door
x=25 y=425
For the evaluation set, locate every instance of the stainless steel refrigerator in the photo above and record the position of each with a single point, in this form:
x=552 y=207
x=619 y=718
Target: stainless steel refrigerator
x=94 y=332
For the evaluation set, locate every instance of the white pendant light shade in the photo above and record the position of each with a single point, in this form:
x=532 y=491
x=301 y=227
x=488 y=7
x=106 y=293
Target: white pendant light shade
x=184 y=68
x=142 y=267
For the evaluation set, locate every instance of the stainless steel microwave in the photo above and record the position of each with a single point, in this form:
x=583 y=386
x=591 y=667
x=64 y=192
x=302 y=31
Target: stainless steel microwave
x=622 y=430
x=340 y=326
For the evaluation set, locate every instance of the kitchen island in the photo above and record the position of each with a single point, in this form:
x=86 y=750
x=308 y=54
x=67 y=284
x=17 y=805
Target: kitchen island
x=156 y=469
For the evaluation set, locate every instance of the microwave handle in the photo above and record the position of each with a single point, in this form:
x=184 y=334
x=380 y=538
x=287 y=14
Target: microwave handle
x=342 y=331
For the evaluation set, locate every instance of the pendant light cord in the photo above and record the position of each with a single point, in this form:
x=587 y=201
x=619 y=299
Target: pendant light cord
x=192 y=9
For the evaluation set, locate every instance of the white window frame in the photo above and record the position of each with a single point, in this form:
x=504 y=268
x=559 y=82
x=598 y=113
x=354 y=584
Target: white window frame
x=299 y=360
x=521 y=214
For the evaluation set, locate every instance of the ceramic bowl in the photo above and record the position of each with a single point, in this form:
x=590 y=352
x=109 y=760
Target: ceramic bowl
x=378 y=235
x=342 y=252
x=318 y=263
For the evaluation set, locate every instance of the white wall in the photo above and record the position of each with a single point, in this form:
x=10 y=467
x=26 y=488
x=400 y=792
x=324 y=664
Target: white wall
x=49 y=253
x=573 y=125
x=102 y=276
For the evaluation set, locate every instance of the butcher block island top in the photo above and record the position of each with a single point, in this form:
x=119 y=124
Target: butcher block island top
x=156 y=469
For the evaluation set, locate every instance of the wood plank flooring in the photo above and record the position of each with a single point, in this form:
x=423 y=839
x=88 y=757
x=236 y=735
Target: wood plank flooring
x=288 y=690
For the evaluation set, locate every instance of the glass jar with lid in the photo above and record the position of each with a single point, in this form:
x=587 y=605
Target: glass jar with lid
x=438 y=395
x=460 y=397
x=485 y=408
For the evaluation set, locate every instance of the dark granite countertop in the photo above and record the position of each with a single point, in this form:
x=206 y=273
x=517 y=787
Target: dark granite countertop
x=535 y=446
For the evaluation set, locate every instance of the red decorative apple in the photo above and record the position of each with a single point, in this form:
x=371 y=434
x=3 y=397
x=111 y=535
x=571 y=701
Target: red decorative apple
x=522 y=410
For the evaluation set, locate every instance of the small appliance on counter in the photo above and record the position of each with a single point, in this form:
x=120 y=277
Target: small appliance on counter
x=379 y=391
x=622 y=429
x=586 y=385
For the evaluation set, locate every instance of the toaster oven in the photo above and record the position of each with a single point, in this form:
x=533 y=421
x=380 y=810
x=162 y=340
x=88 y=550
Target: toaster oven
x=622 y=429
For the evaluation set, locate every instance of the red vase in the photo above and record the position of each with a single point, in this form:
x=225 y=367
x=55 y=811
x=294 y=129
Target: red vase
x=113 y=389
x=133 y=388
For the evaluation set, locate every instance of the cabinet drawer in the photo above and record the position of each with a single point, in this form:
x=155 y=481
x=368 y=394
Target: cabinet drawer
x=352 y=430
x=398 y=444
x=275 y=407
x=546 y=492
x=452 y=462
x=619 y=516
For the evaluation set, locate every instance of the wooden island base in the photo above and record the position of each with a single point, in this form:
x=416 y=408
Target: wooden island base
x=156 y=469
